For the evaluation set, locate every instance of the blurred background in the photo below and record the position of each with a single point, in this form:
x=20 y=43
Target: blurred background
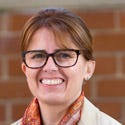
x=106 y=20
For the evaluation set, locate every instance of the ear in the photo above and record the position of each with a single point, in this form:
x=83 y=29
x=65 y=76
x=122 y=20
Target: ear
x=90 y=67
x=23 y=67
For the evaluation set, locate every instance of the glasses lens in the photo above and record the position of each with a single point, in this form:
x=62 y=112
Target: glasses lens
x=65 y=58
x=35 y=59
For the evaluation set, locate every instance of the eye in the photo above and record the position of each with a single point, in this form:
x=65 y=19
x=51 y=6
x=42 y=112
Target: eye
x=64 y=55
x=38 y=55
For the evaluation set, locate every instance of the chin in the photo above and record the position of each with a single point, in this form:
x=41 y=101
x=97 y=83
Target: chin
x=52 y=100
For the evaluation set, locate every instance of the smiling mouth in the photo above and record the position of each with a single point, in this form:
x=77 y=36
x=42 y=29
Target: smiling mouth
x=51 y=81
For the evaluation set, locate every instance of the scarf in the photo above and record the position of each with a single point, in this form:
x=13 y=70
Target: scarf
x=32 y=115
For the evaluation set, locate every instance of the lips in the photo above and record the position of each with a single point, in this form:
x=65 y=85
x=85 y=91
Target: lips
x=56 y=81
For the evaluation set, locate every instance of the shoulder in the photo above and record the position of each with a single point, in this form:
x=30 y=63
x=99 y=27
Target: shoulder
x=17 y=122
x=92 y=115
x=107 y=119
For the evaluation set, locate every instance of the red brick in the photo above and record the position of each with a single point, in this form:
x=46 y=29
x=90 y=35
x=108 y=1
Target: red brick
x=2 y=112
x=15 y=67
x=123 y=64
x=0 y=67
x=18 y=110
x=98 y=19
x=109 y=42
x=105 y=65
x=111 y=88
x=0 y=22
x=17 y=21
x=14 y=90
x=110 y=108
x=9 y=45
x=122 y=19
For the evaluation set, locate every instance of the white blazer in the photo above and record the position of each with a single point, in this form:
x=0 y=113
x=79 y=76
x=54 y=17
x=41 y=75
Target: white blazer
x=91 y=115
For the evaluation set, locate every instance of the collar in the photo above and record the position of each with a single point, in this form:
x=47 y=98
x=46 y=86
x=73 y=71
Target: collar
x=89 y=114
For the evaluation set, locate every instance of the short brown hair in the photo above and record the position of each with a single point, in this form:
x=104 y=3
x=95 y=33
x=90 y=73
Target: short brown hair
x=61 y=22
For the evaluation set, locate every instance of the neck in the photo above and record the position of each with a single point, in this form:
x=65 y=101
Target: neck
x=52 y=114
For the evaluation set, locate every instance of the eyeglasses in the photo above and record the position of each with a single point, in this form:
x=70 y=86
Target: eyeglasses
x=38 y=58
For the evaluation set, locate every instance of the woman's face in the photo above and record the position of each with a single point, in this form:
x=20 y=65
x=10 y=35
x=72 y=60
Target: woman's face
x=68 y=81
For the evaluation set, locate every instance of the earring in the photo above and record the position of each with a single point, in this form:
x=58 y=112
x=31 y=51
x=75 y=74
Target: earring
x=87 y=78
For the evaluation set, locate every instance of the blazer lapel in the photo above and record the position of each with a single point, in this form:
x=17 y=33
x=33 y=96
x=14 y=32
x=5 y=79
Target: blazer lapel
x=89 y=114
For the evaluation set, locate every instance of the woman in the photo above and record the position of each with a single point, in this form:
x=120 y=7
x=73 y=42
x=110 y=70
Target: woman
x=57 y=58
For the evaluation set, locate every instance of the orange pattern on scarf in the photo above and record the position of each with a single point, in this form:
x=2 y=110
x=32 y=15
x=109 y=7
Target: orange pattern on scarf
x=32 y=114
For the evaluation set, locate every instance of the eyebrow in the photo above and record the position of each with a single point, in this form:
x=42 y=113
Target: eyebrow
x=46 y=51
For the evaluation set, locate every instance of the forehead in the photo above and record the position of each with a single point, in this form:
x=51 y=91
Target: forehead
x=61 y=39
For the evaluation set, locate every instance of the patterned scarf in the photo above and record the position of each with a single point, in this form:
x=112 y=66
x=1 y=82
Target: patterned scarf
x=32 y=114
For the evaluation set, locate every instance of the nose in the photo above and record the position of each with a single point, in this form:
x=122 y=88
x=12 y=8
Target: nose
x=50 y=65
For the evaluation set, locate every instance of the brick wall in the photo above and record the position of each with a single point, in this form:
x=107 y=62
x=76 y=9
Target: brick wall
x=106 y=88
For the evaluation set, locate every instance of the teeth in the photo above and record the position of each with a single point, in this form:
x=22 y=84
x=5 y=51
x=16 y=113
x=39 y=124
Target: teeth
x=52 y=81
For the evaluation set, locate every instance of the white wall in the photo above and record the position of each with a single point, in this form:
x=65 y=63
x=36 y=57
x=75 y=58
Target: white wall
x=85 y=4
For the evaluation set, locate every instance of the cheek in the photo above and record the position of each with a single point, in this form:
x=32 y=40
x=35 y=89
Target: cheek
x=31 y=75
x=74 y=82
x=75 y=74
